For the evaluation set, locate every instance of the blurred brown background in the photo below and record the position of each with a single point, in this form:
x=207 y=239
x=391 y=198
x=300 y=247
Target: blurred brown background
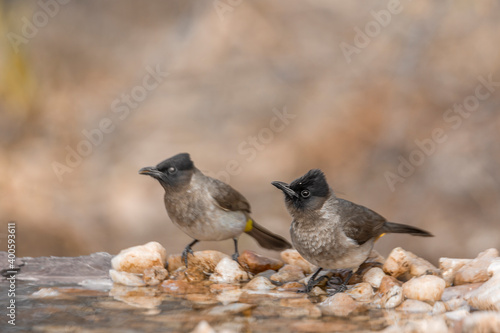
x=362 y=83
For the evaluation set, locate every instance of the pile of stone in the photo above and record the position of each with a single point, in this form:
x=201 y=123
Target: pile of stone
x=463 y=293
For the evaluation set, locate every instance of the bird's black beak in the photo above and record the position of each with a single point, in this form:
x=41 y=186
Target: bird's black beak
x=286 y=189
x=150 y=171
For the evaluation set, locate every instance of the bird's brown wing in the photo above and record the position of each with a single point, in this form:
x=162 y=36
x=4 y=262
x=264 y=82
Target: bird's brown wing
x=227 y=197
x=360 y=223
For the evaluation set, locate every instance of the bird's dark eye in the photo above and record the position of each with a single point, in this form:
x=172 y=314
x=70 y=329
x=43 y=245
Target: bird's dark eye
x=305 y=194
x=172 y=170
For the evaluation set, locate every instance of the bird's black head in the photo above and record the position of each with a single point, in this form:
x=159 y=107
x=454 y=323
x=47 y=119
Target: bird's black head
x=306 y=193
x=173 y=173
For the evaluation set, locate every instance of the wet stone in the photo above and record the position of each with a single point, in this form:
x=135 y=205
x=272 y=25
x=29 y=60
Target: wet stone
x=361 y=292
x=138 y=258
x=154 y=276
x=340 y=305
x=230 y=309
x=428 y=288
x=291 y=286
x=174 y=262
x=292 y=257
x=487 y=296
x=449 y=268
x=414 y=306
x=457 y=315
x=387 y=283
x=374 y=276
x=398 y=262
x=288 y=273
x=182 y=287
x=259 y=283
x=477 y=269
x=459 y=291
x=256 y=263
x=401 y=262
x=229 y=271
x=127 y=279
x=434 y=325
x=482 y=322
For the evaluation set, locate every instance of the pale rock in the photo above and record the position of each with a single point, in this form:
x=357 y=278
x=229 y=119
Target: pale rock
x=230 y=309
x=259 y=283
x=228 y=271
x=387 y=283
x=428 y=288
x=459 y=291
x=449 y=267
x=217 y=288
x=438 y=308
x=317 y=291
x=256 y=263
x=398 y=262
x=140 y=297
x=487 y=296
x=46 y=293
x=155 y=275
x=174 y=262
x=401 y=262
x=203 y=327
x=390 y=292
x=392 y=298
x=288 y=273
x=200 y=266
x=136 y=259
x=299 y=307
x=420 y=266
x=292 y=257
x=206 y=261
x=414 y=306
x=431 y=325
x=291 y=286
x=361 y=292
x=457 y=315
x=482 y=322
x=340 y=305
x=374 y=276
x=477 y=269
x=494 y=267
x=127 y=279
x=182 y=287
x=456 y=303
x=229 y=296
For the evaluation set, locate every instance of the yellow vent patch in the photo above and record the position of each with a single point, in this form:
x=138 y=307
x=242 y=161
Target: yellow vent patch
x=249 y=225
x=376 y=239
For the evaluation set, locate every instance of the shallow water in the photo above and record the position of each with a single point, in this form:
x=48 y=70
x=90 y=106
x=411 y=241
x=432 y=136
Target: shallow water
x=75 y=295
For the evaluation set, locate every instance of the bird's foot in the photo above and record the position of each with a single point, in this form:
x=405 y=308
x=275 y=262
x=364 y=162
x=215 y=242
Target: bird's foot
x=312 y=283
x=235 y=257
x=184 y=256
x=337 y=289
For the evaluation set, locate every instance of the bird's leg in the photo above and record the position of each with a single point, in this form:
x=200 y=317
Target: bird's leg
x=188 y=250
x=236 y=254
x=343 y=286
x=313 y=281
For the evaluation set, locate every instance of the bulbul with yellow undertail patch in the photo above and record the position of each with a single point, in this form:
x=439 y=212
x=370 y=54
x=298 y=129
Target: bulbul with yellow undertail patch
x=207 y=209
x=330 y=232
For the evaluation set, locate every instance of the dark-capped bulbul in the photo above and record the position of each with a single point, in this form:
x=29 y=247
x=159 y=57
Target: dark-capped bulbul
x=207 y=209
x=330 y=232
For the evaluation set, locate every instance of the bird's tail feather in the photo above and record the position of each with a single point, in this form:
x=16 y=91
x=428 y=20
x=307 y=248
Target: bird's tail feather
x=397 y=228
x=267 y=239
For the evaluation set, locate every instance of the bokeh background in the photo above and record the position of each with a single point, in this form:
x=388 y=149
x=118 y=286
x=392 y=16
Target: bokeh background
x=357 y=107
